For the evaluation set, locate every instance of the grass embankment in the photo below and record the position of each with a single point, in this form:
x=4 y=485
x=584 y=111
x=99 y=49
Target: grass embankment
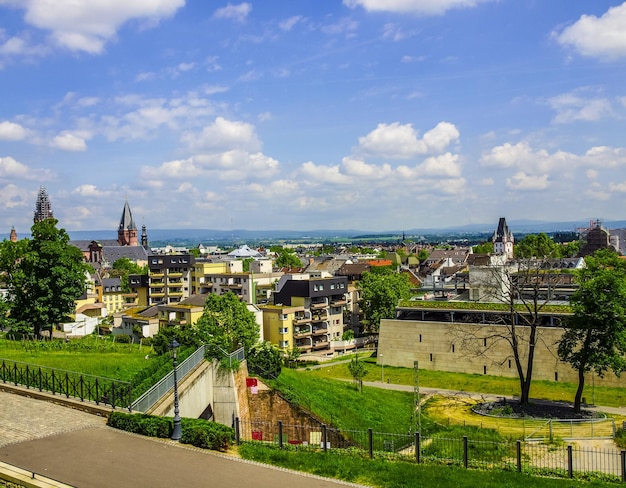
x=344 y=407
x=496 y=385
x=90 y=355
x=386 y=474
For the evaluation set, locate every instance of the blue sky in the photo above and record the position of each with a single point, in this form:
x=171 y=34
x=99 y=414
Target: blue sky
x=308 y=114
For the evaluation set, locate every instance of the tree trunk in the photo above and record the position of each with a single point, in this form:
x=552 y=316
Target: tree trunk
x=579 y=390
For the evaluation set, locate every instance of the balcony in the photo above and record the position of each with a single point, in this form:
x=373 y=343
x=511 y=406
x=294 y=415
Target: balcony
x=157 y=295
x=301 y=320
x=156 y=275
x=173 y=293
x=318 y=305
x=319 y=317
x=338 y=302
x=175 y=284
x=174 y=274
x=300 y=332
x=321 y=344
x=304 y=345
x=323 y=329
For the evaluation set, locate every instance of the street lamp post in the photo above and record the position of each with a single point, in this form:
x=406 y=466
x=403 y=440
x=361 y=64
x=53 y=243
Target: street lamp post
x=176 y=433
x=382 y=368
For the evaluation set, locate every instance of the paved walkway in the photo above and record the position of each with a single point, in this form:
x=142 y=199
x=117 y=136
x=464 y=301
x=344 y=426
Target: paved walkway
x=78 y=449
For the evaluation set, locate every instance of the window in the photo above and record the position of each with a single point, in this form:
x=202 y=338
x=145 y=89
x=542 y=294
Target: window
x=283 y=330
x=431 y=357
x=283 y=343
x=283 y=316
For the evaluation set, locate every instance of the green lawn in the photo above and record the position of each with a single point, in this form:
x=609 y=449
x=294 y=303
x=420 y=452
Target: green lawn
x=344 y=407
x=91 y=355
x=548 y=390
x=387 y=474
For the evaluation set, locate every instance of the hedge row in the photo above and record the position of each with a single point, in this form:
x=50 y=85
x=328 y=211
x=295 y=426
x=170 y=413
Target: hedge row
x=197 y=432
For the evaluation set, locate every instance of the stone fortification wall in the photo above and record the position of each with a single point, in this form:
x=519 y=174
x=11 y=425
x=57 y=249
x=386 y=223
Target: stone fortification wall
x=476 y=349
x=268 y=407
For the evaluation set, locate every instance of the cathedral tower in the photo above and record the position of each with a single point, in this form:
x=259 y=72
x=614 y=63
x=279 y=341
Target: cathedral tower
x=43 y=210
x=127 y=230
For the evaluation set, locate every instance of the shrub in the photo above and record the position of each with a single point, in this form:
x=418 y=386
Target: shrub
x=206 y=435
x=122 y=339
x=197 y=432
x=620 y=438
x=148 y=425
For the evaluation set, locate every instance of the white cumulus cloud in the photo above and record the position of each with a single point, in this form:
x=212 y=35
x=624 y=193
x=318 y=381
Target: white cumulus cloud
x=523 y=181
x=401 y=141
x=10 y=131
x=573 y=106
x=600 y=37
x=224 y=134
x=86 y=25
x=69 y=142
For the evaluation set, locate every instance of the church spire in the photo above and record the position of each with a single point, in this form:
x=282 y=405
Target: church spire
x=144 y=235
x=43 y=210
x=127 y=230
x=13 y=236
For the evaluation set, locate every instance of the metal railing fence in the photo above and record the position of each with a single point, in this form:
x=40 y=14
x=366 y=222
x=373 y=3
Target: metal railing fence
x=549 y=459
x=83 y=387
x=165 y=384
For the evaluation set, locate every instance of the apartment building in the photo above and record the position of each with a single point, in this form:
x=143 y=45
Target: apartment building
x=307 y=313
x=181 y=314
x=169 y=278
x=220 y=277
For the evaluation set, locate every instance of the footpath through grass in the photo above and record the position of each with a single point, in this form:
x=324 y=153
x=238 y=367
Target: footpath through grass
x=387 y=474
x=496 y=385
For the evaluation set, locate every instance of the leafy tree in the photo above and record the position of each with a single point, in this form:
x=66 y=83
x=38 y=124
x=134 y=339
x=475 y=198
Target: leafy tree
x=358 y=372
x=380 y=293
x=568 y=249
x=123 y=267
x=264 y=360
x=292 y=355
x=44 y=277
x=288 y=259
x=595 y=337
x=226 y=324
x=246 y=264
x=185 y=336
x=535 y=245
x=483 y=248
x=195 y=252
x=422 y=255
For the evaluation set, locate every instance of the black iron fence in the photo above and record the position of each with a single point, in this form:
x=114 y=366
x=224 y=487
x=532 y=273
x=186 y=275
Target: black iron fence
x=547 y=459
x=83 y=387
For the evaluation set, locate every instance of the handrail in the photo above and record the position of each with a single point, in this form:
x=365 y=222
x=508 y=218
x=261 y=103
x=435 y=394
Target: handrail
x=165 y=384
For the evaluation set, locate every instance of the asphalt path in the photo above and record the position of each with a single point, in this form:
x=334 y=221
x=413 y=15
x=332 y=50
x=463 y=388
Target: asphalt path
x=78 y=449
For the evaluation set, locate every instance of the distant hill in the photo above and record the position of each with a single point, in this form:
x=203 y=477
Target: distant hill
x=193 y=237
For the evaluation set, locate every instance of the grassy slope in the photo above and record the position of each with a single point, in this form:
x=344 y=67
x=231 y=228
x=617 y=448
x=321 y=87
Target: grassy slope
x=116 y=361
x=343 y=406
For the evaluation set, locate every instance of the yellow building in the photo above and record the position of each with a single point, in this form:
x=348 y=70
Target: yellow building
x=287 y=327
x=181 y=314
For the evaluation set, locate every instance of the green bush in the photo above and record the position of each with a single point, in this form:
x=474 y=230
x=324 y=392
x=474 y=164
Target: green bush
x=123 y=339
x=148 y=425
x=197 y=432
x=206 y=435
x=620 y=438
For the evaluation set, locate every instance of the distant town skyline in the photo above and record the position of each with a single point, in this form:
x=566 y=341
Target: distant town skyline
x=360 y=114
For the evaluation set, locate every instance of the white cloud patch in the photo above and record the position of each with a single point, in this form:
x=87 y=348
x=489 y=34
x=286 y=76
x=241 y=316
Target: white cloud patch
x=420 y=7
x=523 y=181
x=289 y=23
x=225 y=134
x=86 y=25
x=10 y=131
x=69 y=142
x=92 y=191
x=401 y=141
x=238 y=13
x=573 y=106
x=12 y=196
x=11 y=169
x=600 y=37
